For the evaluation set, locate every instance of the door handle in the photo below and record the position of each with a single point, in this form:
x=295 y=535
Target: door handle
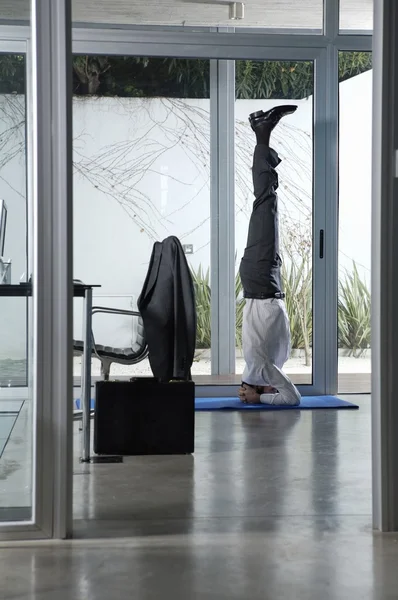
x=321 y=243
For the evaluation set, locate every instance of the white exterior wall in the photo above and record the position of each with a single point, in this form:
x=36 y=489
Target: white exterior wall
x=355 y=179
x=142 y=173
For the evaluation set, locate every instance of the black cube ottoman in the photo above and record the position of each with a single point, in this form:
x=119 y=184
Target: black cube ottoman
x=144 y=416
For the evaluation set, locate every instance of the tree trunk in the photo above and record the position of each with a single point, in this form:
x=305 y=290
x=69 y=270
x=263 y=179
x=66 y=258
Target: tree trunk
x=93 y=83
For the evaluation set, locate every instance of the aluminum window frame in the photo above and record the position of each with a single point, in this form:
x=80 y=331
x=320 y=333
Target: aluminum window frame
x=49 y=167
x=222 y=101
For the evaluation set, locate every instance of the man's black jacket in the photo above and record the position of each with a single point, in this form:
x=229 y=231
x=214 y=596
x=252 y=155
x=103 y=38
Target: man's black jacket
x=167 y=307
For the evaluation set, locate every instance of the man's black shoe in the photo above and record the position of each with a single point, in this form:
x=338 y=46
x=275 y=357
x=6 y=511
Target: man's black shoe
x=271 y=117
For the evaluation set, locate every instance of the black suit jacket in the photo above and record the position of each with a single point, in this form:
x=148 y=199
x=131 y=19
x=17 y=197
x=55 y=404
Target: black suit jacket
x=167 y=307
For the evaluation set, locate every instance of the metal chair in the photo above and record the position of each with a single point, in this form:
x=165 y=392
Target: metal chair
x=109 y=354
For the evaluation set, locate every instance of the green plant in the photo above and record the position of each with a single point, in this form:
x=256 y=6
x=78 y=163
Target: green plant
x=354 y=331
x=201 y=283
x=353 y=305
x=273 y=79
x=132 y=76
x=297 y=280
x=12 y=74
x=129 y=76
x=240 y=305
x=353 y=63
x=297 y=285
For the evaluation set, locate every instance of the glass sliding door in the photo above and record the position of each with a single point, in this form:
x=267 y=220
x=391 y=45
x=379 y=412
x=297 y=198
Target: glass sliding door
x=13 y=215
x=35 y=273
x=16 y=402
x=260 y=85
x=148 y=176
x=141 y=159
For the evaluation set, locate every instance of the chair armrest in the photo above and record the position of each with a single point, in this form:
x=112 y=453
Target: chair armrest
x=115 y=311
x=110 y=311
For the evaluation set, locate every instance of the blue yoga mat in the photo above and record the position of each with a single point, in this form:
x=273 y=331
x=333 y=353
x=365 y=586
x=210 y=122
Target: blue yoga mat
x=307 y=403
x=78 y=404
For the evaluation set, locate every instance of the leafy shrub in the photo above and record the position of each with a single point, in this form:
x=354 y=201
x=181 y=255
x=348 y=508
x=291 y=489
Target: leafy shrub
x=297 y=285
x=201 y=283
x=354 y=327
x=354 y=313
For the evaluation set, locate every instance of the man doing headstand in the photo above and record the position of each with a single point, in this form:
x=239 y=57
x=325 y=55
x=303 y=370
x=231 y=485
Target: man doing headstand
x=265 y=330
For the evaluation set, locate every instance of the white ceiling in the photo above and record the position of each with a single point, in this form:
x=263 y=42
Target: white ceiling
x=303 y=14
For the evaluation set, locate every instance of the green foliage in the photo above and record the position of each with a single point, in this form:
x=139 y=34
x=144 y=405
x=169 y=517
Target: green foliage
x=132 y=76
x=353 y=307
x=141 y=77
x=354 y=313
x=273 y=79
x=201 y=283
x=192 y=75
x=240 y=305
x=353 y=63
x=297 y=285
x=89 y=70
x=189 y=78
x=12 y=74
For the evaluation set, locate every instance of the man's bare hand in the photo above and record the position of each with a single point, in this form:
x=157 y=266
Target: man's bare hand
x=248 y=395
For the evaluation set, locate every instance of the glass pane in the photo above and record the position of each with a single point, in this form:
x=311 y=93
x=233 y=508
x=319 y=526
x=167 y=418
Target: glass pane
x=141 y=173
x=16 y=331
x=13 y=210
x=355 y=168
x=261 y=86
x=15 y=10
x=272 y=14
x=356 y=16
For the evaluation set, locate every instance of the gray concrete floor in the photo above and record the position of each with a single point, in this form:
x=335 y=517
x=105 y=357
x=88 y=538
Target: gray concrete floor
x=273 y=505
